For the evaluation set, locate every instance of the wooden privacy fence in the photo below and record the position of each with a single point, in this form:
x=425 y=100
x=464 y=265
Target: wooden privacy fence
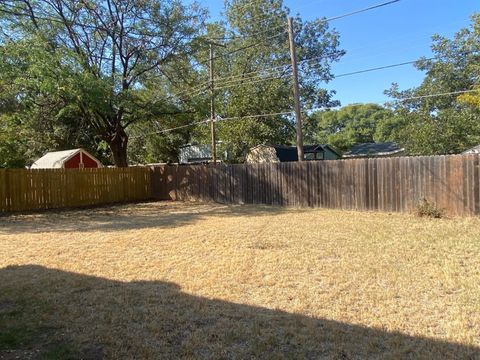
x=22 y=189
x=390 y=184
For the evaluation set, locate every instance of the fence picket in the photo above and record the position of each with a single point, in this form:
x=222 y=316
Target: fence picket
x=391 y=184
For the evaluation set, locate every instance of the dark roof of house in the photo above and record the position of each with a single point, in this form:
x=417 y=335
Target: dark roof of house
x=474 y=150
x=289 y=153
x=371 y=149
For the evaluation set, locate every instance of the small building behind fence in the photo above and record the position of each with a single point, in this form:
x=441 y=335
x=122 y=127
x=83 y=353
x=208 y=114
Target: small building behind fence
x=374 y=150
x=282 y=153
x=473 y=151
x=68 y=159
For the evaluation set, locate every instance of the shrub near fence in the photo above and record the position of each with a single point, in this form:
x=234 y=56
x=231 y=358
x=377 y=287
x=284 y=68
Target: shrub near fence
x=390 y=184
x=22 y=189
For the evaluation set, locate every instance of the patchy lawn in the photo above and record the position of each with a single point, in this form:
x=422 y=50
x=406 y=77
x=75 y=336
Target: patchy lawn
x=165 y=281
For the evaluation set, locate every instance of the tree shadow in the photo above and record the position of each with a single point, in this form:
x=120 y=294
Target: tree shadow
x=127 y=217
x=102 y=318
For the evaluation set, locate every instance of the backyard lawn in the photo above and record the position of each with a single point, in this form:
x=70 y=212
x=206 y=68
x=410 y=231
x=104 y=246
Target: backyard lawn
x=193 y=281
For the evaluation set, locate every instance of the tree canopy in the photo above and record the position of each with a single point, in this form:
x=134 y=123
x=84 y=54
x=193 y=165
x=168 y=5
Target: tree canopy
x=347 y=126
x=95 y=60
x=446 y=124
x=97 y=74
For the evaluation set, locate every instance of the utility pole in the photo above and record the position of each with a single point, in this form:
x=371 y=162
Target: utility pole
x=212 y=107
x=296 y=89
x=212 y=100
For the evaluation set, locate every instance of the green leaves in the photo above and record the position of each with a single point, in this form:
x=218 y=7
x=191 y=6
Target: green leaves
x=446 y=124
x=352 y=124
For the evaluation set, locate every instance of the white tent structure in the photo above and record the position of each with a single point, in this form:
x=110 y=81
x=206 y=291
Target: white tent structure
x=75 y=158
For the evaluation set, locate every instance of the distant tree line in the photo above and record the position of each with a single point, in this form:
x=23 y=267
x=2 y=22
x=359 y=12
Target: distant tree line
x=427 y=124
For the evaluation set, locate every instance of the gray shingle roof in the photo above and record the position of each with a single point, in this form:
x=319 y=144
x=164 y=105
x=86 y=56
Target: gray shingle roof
x=373 y=149
x=474 y=150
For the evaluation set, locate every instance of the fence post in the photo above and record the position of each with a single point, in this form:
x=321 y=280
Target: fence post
x=8 y=196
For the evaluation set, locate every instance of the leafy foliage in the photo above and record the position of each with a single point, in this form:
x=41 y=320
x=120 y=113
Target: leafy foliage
x=256 y=79
x=95 y=59
x=347 y=126
x=441 y=124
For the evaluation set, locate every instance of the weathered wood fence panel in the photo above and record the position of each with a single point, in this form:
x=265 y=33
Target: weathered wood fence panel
x=22 y=190
x=390 y=184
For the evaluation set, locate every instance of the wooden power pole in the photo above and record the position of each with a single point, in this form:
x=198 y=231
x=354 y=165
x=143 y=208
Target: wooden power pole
x=296 y=89
x=212 y=108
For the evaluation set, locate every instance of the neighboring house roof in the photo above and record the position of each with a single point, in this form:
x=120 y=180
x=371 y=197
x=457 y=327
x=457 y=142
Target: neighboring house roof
x=289 y=153
x=56 y=159
x=474 y=150
x=192 y=153
x=373 y=149
x=195 y=153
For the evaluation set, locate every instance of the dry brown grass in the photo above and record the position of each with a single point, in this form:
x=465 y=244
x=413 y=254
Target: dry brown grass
x=166 y=280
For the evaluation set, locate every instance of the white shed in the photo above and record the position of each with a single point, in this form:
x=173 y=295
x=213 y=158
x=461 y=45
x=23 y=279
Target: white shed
x=67 y=159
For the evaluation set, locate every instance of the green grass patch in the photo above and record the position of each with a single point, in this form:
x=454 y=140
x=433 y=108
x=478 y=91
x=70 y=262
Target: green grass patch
x=59 y=352
x=15 y=337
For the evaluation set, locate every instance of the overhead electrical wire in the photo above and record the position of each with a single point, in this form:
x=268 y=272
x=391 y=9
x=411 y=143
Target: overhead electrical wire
x=460 y=92
x=308 y=110
x=411 y=98
x=380 y=68
x=246 y=80
x=205 y=62
x=216 y=120
x=251 y=82
x=362 y=10
x=252 y=116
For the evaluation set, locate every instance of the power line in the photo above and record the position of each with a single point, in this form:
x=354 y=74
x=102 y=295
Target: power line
x=216 y=120
x=380 y=68
x=251 y=82
x=234 y=37
x=310 y=110
x=244 y=47
x=401 y=100
x=362 y=10
x=240 y=79
x=326 y=20
x=279 y=72
x=435 y=95
x=271 y=71
x=254 y=116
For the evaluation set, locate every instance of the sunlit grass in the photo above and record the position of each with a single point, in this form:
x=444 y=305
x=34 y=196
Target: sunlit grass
x=391 y=273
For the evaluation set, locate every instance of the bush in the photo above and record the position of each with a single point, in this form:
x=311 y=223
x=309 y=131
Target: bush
x=428 y=209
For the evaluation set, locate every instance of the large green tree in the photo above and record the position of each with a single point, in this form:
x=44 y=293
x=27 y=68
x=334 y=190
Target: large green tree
x=252 y=73
x=432 y=124
x=347 y=126
x=96 y=61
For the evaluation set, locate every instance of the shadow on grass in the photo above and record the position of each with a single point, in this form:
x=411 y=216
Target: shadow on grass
x=128 y=217
x=100 y=318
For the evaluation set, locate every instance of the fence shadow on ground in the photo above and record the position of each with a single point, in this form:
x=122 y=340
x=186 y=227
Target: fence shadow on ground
x=127 y=217
x=100 y=318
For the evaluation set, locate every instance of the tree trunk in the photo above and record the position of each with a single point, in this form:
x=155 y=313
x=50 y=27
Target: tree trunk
x=118 y=146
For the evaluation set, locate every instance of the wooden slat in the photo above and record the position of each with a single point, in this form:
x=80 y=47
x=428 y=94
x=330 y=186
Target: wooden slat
x=391 y=184
x=23 y=190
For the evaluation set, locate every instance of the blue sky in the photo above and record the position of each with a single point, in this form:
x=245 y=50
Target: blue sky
x=396 y=33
